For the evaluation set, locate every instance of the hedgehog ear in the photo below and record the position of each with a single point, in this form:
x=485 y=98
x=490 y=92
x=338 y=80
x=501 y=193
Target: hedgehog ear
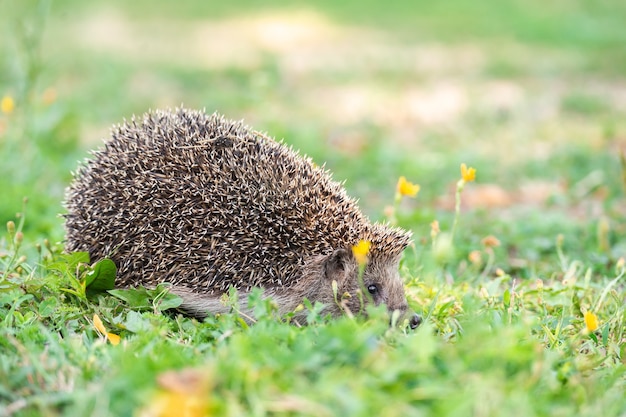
x=336 y=265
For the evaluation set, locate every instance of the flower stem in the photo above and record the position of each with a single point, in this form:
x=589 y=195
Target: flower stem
x=457 y=206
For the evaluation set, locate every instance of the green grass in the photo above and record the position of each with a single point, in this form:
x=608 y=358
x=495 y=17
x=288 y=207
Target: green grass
x=529 y=93
x=490 y=345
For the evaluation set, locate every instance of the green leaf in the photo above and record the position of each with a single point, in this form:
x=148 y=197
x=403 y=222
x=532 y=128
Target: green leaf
x=102 y=276
x=158 y=298
x=506 y=298
x=136 y=298
x=163 y=298
x=73 y=292
x=67 y=263
x=605 y=335
x=136 y=323
x=10 y=296
x=169 y=301
x=48 y=306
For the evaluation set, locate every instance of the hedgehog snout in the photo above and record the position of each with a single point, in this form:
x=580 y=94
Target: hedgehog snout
x=413 y=318
x=415 y=321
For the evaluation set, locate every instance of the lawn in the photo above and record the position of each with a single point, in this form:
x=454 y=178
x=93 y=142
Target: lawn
x=519 y=275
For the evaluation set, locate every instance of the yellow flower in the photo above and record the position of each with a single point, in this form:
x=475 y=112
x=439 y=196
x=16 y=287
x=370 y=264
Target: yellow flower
x=407 y=188
x=475 y=257
x=591 y=321
x=490 y=241
x=434 y=229
x=99 y=326
x=171 y=404
x=7 y=105
x=361 y=250
x=181 y=393
x=468 y=174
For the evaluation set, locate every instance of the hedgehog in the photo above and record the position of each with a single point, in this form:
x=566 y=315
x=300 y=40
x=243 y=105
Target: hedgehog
x=207 y=204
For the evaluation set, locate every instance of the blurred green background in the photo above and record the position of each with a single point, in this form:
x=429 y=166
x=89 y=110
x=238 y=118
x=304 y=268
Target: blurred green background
x=531 y=93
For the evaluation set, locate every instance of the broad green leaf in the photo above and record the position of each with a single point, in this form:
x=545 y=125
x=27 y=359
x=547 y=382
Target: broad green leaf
x=75 y=258
x=102 y=276
x=135 y=297
x=136 y=323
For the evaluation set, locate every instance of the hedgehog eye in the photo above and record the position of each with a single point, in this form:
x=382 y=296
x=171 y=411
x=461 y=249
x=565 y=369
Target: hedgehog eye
x=372 y=289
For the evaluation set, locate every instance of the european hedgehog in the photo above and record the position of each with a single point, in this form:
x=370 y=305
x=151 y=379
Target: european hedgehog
x=206 y=204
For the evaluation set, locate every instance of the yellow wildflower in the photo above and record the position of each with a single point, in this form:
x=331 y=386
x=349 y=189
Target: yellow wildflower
x=171 y=404
x=434 y=229
x=181 y=393
x=361 y=250
x=490 y=241
x=407 y=188
x=591 y=321
x=99 y=326
x=468 y=174
x=7 y=105
x=475 y=257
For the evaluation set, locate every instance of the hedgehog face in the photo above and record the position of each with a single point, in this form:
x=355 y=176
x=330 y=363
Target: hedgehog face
x=381 y=283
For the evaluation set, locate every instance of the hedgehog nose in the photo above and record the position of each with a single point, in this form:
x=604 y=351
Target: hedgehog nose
x=415 y=321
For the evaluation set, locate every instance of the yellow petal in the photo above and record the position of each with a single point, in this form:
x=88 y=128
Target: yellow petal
x=114 y=339
x=361 y=250
x=591 y=321
x=7 y=104
x=468 y=174
x=407 y=188
x=97 y=323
